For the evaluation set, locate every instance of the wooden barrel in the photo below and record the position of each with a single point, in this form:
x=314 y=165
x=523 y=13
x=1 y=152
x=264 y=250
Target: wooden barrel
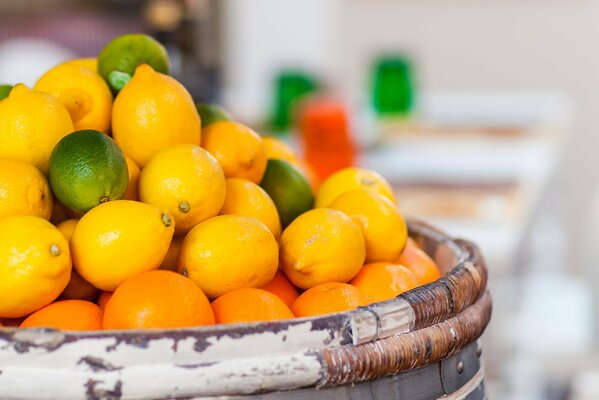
x=420 y=345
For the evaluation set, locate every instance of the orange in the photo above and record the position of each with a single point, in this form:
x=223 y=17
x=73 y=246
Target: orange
x=79 y=289
x=249 y=305
x=151 y=112
x=328 y=298
x=11 y=322
x=384 y=281
x=238 y=149
x=423 y=267
x=134 y=172
x=280 y=286
x=103 y=299
x=71 y=315
x=382 y=224
x=157 y=299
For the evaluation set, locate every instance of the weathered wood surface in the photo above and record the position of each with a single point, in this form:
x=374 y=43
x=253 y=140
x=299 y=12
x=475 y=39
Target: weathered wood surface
x=417 y=328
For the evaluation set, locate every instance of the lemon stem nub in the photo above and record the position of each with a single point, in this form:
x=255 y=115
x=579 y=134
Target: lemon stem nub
x=184 y=207
x=104 y=199
x=54 y=250
x=166 y=220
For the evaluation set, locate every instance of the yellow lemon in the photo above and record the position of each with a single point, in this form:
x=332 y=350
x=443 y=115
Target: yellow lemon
x=246 y=198
x=237 y=148
x=349 y=179
x=89 y=63
x=84 y=94
x=24 y=190
x=118 y=239
x=172 y=256
x=35 y=265
x=67 y=227
x=77 y=288
x=151 y=112
x=383 y=226
x=134 y=172
x=31 y=123
x=187 y=182
x=275 y=148
x=229 y=252
x=322 y=245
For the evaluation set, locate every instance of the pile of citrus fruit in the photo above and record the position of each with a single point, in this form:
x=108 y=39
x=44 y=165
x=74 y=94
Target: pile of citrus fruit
x=125 y=205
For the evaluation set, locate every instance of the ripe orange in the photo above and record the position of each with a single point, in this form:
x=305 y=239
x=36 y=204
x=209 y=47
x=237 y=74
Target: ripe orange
x=71 y=315
x=103 y=299
x=157 y=299
x=238 y=149
x=383 y=281
x=328 y=298
x=423 y=267
x=282 y=287
x=249 y=305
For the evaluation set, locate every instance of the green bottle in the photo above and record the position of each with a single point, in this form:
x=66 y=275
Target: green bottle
x=290 y=86
x=393 y=89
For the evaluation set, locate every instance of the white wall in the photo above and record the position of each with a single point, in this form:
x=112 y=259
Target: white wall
x=508 y=45
x=459 y=45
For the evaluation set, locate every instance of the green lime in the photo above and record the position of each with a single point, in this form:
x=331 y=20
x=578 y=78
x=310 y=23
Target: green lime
x=211 y=113
x=119 y=58
x=4 y=91
x=288 y=188
x=87 y=168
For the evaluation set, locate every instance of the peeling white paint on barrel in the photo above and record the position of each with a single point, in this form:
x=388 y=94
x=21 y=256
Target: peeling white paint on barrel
x=46 y=364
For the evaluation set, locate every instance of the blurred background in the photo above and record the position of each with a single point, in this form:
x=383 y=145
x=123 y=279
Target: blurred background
x=481 y=114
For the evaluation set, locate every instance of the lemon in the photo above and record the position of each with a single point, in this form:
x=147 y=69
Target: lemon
x=211 y=113
x=320 y=246
x=229 y=252
x=77 y=288
x=67 y=227
x=383 y=226
x=187 y=182
x=87 y=168
x=172 y=256
x=35 y=265
x=4 y=91
x=275 y=148
x=349 y=179
x=134 y=172
x=246 y=198
x=24 y=190
x=31 y=123
x=83 y=93
x=89 y=63
x=118 y=239
x=288 y=188
x=119 y=58
x=237 y=148
x=152 y=112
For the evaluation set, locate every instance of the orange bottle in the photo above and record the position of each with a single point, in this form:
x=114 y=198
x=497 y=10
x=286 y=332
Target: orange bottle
x=325 y=136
